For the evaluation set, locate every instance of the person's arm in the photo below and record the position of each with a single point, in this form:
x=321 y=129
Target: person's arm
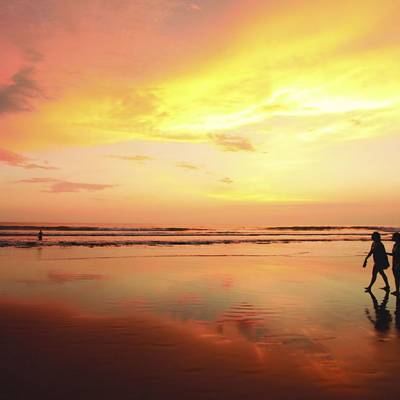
x=394 y=251
x=368 y=255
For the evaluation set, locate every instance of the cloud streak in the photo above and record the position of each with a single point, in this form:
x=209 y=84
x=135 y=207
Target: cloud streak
x=187 y=166
x=17 y=96
x=18 y=160
x=232 y=142
x=131 y=158
x=226 y=180
x=62 y=186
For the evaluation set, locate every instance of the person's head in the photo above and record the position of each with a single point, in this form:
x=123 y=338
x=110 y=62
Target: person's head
x=376 y=237
x=396 y=237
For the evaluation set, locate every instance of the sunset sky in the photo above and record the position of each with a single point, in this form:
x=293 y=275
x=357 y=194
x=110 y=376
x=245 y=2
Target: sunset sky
x=207 y=112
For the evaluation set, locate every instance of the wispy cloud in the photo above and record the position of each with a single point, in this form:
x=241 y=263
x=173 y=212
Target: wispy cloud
x=194 y=7
x=232 y=142
x=38 y=166
x=226 y=180
x=33 y=56
x=37 y=180
x=131 y=158
x=62 y=186
x=18 y=160
x=11 y=158
x=65 y=186
x=187 y=166
x=17 y=95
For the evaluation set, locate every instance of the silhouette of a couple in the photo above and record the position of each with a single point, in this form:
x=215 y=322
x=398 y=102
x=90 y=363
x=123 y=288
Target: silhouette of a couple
x=381 y=261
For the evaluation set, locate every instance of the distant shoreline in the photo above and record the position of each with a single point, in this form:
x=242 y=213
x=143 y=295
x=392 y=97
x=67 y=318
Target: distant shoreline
x=121 y=227
x=29 y=244
x=105 y=236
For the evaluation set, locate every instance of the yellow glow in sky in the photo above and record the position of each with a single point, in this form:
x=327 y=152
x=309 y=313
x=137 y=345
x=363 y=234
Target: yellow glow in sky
x=246 y=110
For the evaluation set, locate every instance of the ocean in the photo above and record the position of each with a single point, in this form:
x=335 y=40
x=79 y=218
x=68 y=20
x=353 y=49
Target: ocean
x=25 y=235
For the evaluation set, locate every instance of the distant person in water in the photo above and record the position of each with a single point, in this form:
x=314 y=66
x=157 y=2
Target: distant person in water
x=40 y=235
x=381 y=261
x=396 y=261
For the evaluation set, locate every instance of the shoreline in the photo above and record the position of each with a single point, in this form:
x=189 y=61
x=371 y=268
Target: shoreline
x=159 y=243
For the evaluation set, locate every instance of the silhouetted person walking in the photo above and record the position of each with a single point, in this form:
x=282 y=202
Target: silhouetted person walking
x=381 y=261
x=40 y=235
x=396 y=261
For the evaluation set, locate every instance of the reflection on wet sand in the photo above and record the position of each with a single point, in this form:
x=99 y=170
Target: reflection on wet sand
x=383 y=318
x=397 y=314
x=204 y=328
x=54 y=353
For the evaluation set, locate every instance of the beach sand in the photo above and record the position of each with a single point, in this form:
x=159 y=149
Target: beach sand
x=272 y=321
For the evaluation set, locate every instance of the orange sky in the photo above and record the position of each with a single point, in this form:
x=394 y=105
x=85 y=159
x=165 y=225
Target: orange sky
x=228 y=112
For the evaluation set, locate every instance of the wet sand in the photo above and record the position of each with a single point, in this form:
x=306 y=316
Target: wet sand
x=281 y=321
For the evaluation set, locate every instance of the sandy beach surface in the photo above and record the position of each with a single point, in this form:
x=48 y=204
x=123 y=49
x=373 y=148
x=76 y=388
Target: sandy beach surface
x=225 y=321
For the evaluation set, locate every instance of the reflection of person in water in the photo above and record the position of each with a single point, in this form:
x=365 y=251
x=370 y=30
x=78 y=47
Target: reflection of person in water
x=396 y=261
x=381 y=261
x=397 y=314
x=383 y=318
x=40 y=235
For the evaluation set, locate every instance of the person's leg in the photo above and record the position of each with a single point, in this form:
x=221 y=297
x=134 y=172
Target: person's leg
x=396 y=274
x=373 y=278
x=382 y=272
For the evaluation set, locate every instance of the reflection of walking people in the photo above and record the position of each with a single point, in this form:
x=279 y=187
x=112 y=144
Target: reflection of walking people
x=396 y=261
x=381 y=261
x=383 y=318
x=397 y=314
x=40 y=235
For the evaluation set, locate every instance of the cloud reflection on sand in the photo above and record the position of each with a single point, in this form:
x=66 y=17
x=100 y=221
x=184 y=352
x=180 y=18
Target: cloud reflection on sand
x=226 y=327
x=63 y=277
x=114 y=356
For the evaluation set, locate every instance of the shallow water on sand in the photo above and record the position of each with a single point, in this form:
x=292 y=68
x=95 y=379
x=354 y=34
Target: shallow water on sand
x=223 y=321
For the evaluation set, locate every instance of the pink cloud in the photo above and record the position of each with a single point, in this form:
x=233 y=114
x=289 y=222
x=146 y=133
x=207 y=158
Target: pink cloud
x=37 y=180
x=65 y=186
x=194 y=7
x=18 y=160
x=61 y=186
x=11 y=158
x=17 y=95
